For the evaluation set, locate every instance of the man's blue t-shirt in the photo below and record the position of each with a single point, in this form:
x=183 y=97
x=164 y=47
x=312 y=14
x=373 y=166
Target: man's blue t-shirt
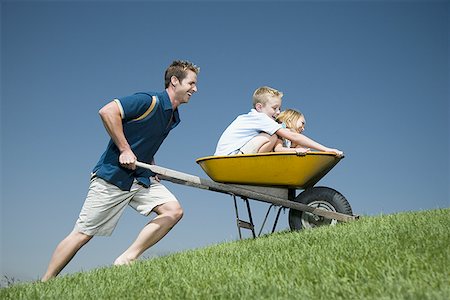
x=145 y=126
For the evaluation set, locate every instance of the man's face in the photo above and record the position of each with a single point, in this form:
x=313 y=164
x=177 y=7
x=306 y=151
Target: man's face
x=187 y=87
x=271 y=108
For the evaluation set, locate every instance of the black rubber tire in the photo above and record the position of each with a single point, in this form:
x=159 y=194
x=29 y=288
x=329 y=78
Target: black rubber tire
x=318 y=197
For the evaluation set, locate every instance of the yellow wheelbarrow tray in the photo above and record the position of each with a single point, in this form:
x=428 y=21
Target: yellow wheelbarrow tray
x=281 y=169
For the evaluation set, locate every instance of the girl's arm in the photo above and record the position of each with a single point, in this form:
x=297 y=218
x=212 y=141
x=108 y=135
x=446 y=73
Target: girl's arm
x=280 y=148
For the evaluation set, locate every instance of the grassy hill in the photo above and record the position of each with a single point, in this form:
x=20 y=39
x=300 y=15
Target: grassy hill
x=400 y=256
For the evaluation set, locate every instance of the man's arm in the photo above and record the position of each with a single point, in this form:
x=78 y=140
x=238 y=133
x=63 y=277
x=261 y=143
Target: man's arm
x=305 y=141
x=112 y=120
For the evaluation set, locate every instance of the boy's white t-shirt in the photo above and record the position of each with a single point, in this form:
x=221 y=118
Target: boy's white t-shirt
x=243 y=129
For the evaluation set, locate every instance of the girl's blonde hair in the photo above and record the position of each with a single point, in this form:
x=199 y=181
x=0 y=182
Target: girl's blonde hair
x=290 y=118
x=264 y=93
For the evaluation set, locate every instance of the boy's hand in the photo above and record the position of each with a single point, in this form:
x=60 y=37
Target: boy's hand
x=338 y=153
x=302 y=151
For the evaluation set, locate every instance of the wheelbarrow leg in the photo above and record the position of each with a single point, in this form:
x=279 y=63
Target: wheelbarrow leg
x=241 y=223
x=265 y=219
x=276 y=219
x=250 y=215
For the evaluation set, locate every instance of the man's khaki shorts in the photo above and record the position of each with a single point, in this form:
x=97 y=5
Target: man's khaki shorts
x=105 y=204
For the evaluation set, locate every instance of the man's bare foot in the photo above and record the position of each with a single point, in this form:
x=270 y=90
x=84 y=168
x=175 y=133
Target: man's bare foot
x=122 y=261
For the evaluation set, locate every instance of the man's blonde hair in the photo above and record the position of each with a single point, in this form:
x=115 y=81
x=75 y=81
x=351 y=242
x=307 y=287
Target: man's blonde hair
x=263 y=94
x=290 y=118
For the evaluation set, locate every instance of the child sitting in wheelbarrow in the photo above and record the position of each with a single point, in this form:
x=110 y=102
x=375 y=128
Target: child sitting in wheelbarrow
x=295 y=122
x=258 y=132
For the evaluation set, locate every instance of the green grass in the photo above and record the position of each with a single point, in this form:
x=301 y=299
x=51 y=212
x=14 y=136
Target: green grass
x=400 y=256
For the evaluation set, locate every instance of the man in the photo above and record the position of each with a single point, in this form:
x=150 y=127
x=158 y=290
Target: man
x=137 y=124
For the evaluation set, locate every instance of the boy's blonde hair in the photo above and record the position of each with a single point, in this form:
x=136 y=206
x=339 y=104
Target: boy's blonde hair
x=263 y=94
x=290 y=118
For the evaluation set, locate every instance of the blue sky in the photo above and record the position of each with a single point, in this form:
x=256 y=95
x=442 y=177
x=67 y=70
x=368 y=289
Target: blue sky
x=372 y=79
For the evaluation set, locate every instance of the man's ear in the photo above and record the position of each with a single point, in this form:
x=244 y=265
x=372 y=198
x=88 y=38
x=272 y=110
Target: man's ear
x=258 y=106
x=174 y=80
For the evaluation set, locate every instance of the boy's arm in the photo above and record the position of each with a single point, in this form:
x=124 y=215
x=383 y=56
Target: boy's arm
x=305 y=141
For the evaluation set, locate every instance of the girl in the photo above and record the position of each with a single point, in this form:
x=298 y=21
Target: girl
x=294 y=121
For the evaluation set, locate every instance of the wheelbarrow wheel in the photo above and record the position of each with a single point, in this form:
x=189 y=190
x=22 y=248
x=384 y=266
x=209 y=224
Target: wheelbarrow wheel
x=318 y=197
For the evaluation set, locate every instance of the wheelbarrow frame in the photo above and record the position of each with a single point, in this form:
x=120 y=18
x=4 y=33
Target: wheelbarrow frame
x=282 y=197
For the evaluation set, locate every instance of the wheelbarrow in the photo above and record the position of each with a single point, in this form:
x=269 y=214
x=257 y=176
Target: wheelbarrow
x=272 y=178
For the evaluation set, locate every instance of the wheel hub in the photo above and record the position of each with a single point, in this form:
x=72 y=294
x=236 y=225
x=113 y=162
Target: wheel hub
x=310 y=220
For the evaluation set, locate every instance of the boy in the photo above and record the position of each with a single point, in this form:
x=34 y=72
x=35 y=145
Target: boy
x=257 y=131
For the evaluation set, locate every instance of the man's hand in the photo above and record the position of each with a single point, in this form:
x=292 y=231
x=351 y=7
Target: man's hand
x=127 y=159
